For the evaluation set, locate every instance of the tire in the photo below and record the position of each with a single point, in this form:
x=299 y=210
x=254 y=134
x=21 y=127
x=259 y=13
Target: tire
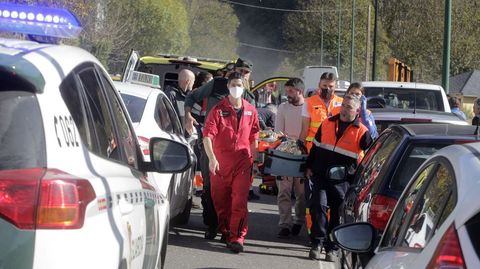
x=183 y=217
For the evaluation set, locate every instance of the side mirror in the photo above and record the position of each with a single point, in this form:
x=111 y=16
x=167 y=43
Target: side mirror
x=358 y=237
x=169 y=156
x=337 y=173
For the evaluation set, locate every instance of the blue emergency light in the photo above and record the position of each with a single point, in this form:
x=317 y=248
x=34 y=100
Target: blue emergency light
x=41 y=21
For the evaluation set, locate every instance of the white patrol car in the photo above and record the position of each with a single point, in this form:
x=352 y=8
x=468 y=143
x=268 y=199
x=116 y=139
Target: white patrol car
x=153 y=115
x=73 y=185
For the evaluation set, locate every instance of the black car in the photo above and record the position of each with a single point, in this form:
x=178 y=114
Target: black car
x=390 y=163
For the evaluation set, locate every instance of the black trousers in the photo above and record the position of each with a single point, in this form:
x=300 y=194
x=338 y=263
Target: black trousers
x=324 y=196
x=209 y=214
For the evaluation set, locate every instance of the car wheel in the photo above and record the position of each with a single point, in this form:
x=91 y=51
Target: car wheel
x=183 y=217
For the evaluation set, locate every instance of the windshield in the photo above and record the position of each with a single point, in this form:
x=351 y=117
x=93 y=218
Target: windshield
x=403 y=98
x=135 y=106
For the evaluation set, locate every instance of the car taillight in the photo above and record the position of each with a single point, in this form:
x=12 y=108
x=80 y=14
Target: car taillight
x=144 y=145
x=448 y=253
x=381 y=208
x=41 y=198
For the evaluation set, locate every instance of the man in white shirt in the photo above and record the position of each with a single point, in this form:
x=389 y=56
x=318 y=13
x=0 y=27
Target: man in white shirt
x=289 y=122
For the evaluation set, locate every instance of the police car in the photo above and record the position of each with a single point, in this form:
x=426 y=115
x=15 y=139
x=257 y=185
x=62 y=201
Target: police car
x=153 y=115
x=74 y=191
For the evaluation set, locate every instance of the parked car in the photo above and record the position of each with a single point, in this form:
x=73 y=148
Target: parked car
x=152 y=115
x=388 y=166
x=435 y=224
x=74 y=191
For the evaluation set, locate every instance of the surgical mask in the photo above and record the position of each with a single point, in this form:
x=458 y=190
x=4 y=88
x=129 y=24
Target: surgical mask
x=236 y=92
x=324 y=93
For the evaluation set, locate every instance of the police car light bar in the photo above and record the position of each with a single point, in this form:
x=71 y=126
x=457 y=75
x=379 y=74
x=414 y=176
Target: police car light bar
x=42 y=21
x=145 y=79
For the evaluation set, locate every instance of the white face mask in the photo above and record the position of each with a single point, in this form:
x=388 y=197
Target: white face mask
x=236 y=92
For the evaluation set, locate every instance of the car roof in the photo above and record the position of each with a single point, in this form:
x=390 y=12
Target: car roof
x=436 y=130
x=396 y=114
x=15 y=53
x=407 y=85
x=134 y=89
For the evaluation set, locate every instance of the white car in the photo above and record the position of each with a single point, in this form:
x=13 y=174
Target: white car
x=74 y=191
x=153 y=115
x=435 y=224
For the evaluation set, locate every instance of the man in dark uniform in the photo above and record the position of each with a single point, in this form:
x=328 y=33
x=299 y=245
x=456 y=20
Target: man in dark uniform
x=210 y=94
x=178 y=94
x=339 y=141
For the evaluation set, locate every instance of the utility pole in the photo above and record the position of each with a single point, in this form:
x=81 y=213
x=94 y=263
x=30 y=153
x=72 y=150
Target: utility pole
x=367 y=50
x=321 y=39
x=446 y=46
x=352 y=48
x=375 y=30
x=339 y=28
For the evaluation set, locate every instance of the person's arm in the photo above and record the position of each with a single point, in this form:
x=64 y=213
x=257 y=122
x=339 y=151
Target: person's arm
x=192 y=98
x=367 y=118
x=253 y=138
x=305 y=123
x=313 y=152
x=209 y=132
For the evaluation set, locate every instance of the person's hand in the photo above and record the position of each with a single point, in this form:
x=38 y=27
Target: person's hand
x=363 y=102
x=213 y=166
x=308 y=173
x=301 y=146
x=189 y=122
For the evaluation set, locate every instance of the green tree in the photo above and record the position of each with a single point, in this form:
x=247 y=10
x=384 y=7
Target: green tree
x=303 y=32
x=213 y=27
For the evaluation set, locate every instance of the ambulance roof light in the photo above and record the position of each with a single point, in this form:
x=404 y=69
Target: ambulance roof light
x=41 y=21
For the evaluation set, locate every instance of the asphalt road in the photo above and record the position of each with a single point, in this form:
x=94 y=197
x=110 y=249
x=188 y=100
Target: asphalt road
x=188 y=249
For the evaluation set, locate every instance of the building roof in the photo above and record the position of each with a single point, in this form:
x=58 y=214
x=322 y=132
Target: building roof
x=467 y=83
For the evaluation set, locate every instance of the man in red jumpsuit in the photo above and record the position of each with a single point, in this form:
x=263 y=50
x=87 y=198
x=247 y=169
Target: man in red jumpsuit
x=230 y=140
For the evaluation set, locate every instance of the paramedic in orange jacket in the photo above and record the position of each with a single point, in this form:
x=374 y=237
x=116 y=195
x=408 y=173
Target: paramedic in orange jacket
x=338 y=142
x=319 y=107
x=230 y=140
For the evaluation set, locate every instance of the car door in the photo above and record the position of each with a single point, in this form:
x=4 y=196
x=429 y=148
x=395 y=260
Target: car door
x=113 y=158
x=278 y=96
x=186 y=178
x=428 y=201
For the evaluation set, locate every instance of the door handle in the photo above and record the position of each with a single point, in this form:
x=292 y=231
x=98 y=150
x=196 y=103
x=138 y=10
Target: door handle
x=125 y=207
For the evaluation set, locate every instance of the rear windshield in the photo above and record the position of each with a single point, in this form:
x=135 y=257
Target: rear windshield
x=404 y=98
x=135 y=106
x=22 y=141
x=416 y=155
x=473 y=228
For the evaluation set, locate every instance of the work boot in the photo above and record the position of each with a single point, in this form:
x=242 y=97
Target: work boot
x=211 y=233
x=331 y=256
x=296 y=229
x=235 y=247
x=284 y=232
x=314 y=253
x=252 y=196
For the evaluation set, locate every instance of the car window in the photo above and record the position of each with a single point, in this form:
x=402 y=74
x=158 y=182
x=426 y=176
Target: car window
x=431 y=209
x=104 y=133
x=161 y=116
x=74 y=101
x=415 y=156
x=135 y=106
x=128 y=144
x=22 y=140
x=177 y=127
x=404 y=206
x=360 y=181
x=375 y=163
x=404 y=98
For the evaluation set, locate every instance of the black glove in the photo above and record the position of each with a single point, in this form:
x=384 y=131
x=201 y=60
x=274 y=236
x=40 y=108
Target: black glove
x=301 y=146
